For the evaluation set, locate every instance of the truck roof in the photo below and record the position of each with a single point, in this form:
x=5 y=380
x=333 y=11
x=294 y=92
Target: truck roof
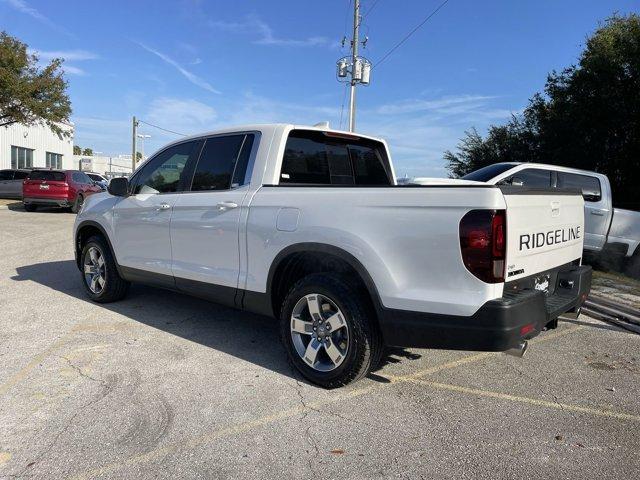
x=550 y=167
x=273 y=126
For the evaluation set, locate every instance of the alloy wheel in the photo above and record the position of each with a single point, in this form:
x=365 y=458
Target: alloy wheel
x=94 y=270
x=319 y=332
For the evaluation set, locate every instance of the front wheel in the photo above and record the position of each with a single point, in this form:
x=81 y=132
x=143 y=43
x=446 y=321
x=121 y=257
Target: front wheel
x=328 y=330
x=633 y=266
x=99 y=272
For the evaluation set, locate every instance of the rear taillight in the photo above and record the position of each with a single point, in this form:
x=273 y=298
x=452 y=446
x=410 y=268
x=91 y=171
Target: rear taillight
x=483 y=242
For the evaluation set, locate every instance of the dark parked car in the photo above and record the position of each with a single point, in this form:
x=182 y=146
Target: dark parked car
x=57 y=188
x=11 y=182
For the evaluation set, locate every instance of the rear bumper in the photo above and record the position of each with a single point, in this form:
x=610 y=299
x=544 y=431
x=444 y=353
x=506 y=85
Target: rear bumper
x=497 y=326
x=55 y=202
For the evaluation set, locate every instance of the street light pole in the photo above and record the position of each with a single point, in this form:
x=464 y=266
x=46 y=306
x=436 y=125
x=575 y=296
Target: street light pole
x=134 y=139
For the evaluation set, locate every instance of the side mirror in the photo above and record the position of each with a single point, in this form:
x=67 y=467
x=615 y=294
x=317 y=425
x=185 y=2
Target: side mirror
x=517 y=182
x=119 y=187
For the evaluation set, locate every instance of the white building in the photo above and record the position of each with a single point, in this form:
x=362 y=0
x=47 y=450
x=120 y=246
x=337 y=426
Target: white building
x=104 y=165
x=35 y=147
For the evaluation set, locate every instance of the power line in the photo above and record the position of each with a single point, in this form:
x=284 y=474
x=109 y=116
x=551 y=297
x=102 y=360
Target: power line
x=406 y=37
x=163 y=129
x=346 y=19
x=344 y=97
x=371 y=8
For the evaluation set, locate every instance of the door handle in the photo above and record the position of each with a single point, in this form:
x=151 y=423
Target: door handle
x=597 y=212
x=164 y=206
x=226 y=205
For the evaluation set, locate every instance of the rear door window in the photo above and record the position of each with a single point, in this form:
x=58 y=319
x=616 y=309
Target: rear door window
x=590 y=186
x=317 y=158
x=47 y=175
x=6 y=175
x=19 y=175
x=530 y=177
x=222 y=163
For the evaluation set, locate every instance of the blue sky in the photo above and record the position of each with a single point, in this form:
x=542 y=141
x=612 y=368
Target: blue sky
x=193 y=66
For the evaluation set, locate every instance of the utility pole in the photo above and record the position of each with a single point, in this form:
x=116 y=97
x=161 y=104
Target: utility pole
x=354 y=68
x=134 y=139
x=354 y=58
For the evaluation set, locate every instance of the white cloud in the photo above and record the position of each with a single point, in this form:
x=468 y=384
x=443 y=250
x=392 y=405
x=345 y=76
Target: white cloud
x=449 y=104
x=180 y=115
x=196 y=80
x=420 y=130
x=266 y=36
x=71 y=70
x=67 y=55
x=23 y=7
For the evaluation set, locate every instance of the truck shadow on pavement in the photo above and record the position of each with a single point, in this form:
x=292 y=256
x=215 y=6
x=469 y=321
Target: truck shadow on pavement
x=249 y=337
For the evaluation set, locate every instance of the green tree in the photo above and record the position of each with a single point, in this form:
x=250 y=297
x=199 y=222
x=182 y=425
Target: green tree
x=587 y=117
x=77 y=150
x=87 y=151
x=30 y=94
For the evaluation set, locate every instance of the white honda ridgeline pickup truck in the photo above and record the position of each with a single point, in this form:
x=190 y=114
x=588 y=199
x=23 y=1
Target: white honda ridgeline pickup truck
x=308 y=225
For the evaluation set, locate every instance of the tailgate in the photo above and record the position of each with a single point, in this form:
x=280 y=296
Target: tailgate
x=45 y=189
x=545 y=229
x=46 y=184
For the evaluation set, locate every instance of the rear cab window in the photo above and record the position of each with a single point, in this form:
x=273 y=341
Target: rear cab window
x=324 y=158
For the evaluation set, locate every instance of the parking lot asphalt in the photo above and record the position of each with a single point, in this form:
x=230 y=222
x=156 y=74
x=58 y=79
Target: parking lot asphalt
x=162 y=385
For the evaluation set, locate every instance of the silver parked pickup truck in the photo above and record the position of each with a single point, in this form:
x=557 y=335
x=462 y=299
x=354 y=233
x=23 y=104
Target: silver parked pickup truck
x=610 y=233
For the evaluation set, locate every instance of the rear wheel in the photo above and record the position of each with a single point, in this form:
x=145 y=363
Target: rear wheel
x=99 y=272
x=328 y=332
x=77 y=205
x=29 y=207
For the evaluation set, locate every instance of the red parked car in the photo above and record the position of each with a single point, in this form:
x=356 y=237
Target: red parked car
x=57 y=188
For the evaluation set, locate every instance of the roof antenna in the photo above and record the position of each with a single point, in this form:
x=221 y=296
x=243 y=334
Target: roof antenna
x=324 y=125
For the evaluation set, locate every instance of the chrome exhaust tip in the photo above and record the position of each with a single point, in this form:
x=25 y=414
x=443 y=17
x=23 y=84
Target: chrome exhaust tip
x=518 y=351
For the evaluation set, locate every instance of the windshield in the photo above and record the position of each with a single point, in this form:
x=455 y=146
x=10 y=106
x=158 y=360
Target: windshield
x=487 y=173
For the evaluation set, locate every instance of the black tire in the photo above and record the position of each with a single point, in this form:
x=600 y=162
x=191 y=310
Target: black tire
x=364 y=341
x=77 y=205
x=30 y=207
x=115 y=287
x=632 y=267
